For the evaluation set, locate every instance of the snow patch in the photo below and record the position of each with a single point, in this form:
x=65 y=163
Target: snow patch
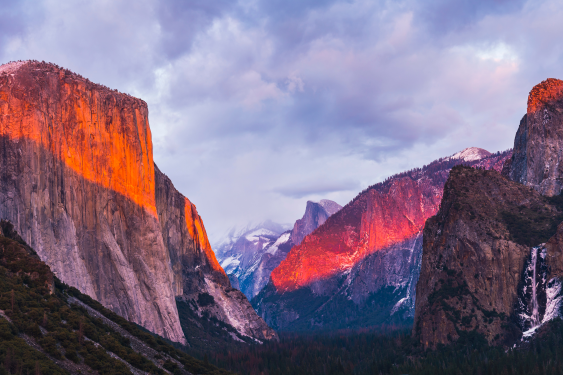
x=280 y=241
x=230 y=263
x=256 y=234
x=471 y=154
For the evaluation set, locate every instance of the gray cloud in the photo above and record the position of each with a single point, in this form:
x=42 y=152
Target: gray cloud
x=318 y=188
x=258 y=105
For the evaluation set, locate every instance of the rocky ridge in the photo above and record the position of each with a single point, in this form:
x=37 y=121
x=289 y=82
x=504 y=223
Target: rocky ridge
x=360 y=267
x=504 y=233
x=537 y=157
x=79 y=183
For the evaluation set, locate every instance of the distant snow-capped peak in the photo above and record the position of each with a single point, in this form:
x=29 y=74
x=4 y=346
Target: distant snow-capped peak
x=471 y=154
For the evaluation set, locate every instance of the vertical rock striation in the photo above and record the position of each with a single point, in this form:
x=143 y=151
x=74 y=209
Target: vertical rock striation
x=78 y=181
x=475 y=249
x=537 y=158
x=361 y=266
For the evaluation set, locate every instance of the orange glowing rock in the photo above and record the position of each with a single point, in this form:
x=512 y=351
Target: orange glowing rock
x=376 y=220
x=197 y=232
x=101 y=134
x=386 y=214
x=543 y=93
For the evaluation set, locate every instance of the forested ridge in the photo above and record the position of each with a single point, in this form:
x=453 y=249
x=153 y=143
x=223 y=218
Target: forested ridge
x=47 y=327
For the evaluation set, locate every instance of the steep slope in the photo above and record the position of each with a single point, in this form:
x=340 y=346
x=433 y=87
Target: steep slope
x=202 y=287
x=537 y=160
x=361 y=266
x=477 y=253
x=250 y=257
x=47 y=327
x=496 y=229
x=240 y=253
x=79 y=183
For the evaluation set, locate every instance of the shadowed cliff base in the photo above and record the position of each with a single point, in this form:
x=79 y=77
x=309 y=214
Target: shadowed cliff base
x=47 y=327
x=79 y=183
x=95 y=232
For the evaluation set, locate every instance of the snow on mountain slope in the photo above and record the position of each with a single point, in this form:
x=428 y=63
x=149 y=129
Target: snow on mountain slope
x=360 y=268
x=248 y=256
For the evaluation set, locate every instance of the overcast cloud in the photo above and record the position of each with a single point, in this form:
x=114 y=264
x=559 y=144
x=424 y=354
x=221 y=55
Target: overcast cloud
x=257 y=106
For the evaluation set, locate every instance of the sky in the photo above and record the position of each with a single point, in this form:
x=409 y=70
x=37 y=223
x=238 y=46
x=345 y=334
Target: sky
x=257 y=106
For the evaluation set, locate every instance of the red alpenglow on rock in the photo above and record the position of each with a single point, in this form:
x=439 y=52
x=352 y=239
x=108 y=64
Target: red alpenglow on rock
x=537 y=160
x=80 y=185
x=385 y=214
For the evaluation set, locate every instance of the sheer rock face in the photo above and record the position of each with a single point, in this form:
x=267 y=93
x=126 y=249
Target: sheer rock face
x=537 y=160
x=363 y=262
x=315 y=215
x=79 y=183
x=472 y=265
x=196 y=271
x=384 y=215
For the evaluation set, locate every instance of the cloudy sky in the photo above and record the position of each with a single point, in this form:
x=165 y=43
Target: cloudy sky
x=257 y=106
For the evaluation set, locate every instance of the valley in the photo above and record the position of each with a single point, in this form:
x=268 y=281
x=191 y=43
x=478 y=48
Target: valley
x=107 y=268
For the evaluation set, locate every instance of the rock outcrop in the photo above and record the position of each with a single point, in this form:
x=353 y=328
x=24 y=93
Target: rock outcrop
x=78 y=181
x=473 y=275
x=361 y=266
x=199 y=281
x=537 y=160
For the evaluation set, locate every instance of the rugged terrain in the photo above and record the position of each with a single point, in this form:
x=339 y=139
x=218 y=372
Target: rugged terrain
x=50 y=328
x=361 y=266
x=537 y=145
x=250 y=257
x=474 y=256
x=79 y=183
x=502 y=232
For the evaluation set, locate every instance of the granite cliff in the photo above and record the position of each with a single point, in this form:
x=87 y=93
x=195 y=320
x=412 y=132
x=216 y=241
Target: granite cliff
x=537 y=159
x=78 y=181
x=491 y=259
x=474 y=255
x=361 y=266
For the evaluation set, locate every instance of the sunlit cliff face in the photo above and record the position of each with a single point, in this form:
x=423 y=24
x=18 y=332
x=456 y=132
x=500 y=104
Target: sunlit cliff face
x=385 y=215
x=100 y=134
x=548 y=91
x=197 y=232
x=376 y=221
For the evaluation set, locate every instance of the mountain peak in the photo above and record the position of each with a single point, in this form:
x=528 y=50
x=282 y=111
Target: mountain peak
x=546 y=91
x=330 y=207
x=471 y=154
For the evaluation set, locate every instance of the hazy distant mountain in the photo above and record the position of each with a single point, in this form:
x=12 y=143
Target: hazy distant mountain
x=249 y=255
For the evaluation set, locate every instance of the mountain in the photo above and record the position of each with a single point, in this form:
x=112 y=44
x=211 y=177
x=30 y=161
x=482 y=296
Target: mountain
x=492 y=257
x=361 y=266
x=78 y=181
x=249 y=257
x=48 y=327
x=537 y=157
x=474 y=257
